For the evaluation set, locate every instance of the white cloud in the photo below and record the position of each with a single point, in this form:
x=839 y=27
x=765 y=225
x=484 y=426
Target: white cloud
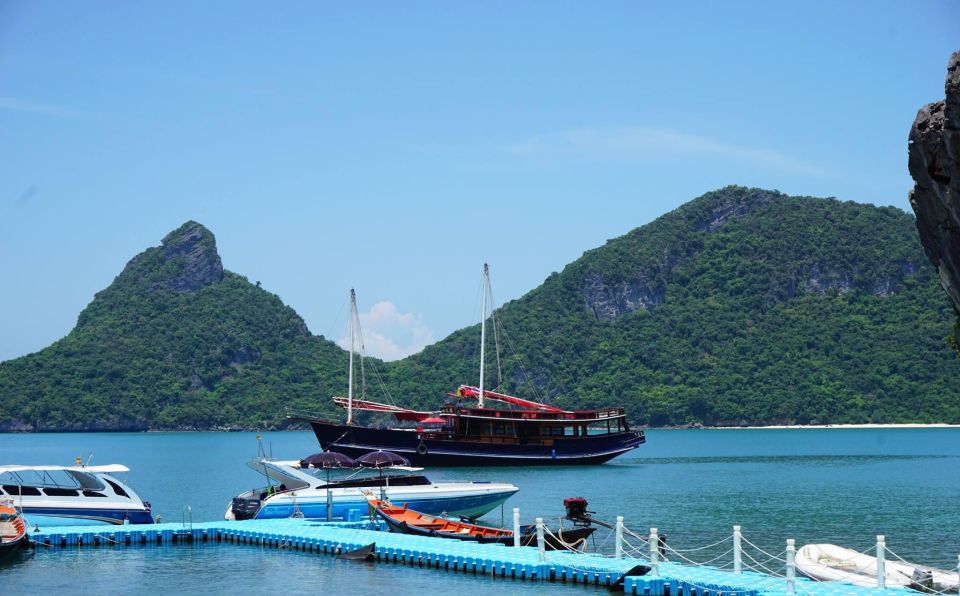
x=390 y=334
x=649 y=143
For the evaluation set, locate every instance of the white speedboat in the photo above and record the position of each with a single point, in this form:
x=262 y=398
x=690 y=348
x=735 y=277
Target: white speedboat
x=300 y=492
x=829 y=562
x=73 y=495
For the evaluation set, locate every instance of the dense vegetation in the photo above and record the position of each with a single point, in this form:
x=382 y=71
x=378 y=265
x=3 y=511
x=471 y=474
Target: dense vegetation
x=142 y=356
x=764 y=308
x=743 y=306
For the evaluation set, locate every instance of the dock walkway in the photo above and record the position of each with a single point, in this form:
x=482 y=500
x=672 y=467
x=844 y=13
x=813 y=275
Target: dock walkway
x=451 y=555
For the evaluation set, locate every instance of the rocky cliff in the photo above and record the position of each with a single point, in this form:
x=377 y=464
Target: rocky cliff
x=935 y=166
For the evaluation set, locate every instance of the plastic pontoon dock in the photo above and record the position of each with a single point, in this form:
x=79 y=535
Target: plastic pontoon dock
x=523 y=563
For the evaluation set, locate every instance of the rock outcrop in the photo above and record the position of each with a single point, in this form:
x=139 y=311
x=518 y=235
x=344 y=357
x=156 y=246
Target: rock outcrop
x=934 y=163
x=194 y=248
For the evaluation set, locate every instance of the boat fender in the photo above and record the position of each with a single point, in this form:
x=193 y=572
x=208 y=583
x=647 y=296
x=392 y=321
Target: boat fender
x=422 y=448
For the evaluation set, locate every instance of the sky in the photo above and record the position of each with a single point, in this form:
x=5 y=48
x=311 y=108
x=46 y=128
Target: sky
x=394 y=147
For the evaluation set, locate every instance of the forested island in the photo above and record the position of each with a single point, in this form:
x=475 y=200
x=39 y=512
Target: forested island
x=742 y=307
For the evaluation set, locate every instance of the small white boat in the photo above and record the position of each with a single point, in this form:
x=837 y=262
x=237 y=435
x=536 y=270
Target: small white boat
x=73 y=495
x=302 y=492
x=829 y=562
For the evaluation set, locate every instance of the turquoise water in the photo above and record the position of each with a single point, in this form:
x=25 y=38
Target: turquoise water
x=815 y=485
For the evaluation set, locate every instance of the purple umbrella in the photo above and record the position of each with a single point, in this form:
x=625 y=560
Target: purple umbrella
x=381 y=460
x=328 y=460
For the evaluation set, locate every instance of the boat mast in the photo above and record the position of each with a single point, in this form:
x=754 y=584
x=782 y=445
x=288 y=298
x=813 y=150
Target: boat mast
x=483 y=326
x=353 y=333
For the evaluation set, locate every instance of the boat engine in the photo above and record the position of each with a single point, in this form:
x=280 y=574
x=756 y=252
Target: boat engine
x=577 y=511
x=244 y=508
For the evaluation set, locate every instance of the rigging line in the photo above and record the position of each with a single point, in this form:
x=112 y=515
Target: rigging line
x=526 y=376
x=333 y=323
x=496 y=339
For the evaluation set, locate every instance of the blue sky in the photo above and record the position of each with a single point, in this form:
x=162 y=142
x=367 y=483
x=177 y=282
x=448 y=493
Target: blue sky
x=395 y=147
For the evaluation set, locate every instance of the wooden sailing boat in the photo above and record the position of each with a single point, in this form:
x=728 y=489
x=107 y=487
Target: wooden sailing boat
x=518 y=432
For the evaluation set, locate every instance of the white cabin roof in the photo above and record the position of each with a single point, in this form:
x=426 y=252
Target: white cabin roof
x=104 y=469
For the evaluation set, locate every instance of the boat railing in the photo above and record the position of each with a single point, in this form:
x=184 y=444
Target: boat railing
x=534 y=415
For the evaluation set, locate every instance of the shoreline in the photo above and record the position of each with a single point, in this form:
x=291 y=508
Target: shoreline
x=811 y=426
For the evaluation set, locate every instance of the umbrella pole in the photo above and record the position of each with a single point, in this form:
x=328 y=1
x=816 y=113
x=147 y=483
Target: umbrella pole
x=329 y=498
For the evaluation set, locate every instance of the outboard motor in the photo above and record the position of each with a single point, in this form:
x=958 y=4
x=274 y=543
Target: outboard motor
x=244 y=508
x=577 y=510
x=921 y=580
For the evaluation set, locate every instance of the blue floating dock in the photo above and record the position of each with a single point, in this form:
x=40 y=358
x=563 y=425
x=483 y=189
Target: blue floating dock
x=495 y=560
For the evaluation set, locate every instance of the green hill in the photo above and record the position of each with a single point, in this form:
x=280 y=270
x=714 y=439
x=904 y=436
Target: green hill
x=742 y=306
x=174 y=342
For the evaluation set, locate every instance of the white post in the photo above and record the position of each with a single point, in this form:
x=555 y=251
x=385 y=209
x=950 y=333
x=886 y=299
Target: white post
x=619 y=536
x=353 y=314
x=516 y=526
x=881 y=563
x=540 y=544
x=483 y=328
x=791 y=565
x=329 y=504
x=737 y=551
x=654 y=553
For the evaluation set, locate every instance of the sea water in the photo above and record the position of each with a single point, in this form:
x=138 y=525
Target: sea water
x=843 y=486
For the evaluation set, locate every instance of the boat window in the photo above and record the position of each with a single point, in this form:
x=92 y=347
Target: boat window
x=551 y=430
x=600 y=427
x=93 y=493
x=487 y=428
x=116 y=488
x=60 y=492
x=27 y=490
x=503 y=428
x=569 y=431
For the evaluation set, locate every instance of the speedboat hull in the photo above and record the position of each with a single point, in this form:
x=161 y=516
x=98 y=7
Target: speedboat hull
x=73 y=495
x=303 y=494
x=466 y=499
x=74 y=516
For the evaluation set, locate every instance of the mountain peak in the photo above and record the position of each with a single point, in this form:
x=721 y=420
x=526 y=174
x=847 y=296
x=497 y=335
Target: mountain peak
x=194 y=249
x=186 y=261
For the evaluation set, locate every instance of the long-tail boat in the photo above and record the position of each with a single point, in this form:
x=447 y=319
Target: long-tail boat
x=407 y=521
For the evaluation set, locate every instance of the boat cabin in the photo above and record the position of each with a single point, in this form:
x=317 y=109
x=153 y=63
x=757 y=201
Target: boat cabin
x=532 y=426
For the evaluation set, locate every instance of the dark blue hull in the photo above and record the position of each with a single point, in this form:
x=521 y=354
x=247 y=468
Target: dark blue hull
x=427 y=449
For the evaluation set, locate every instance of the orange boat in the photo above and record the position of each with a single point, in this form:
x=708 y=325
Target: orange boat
x=407 y=521
x=13 y=530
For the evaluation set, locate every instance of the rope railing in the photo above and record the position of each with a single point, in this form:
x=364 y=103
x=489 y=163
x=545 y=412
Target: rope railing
x=768 y=568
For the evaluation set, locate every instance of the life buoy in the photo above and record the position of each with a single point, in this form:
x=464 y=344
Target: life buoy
x=422 y=448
